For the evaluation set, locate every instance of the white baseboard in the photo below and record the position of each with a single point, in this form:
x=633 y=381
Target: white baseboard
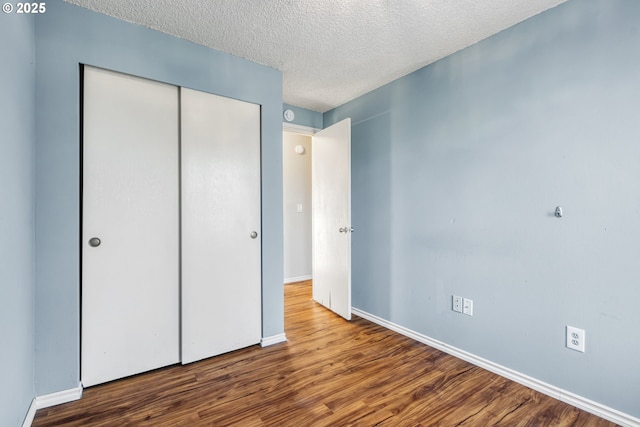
x=297 y=279
x=31 y=413
x=274 y=339
x=595 y=408
x=52 y=399
x=59 y=397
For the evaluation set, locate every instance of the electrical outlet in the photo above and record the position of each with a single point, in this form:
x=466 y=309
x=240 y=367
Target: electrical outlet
x=467 y=306
x=575 y=339
x=457 y=304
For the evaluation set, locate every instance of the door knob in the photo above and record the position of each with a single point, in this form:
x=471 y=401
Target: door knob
x=94 y=242
x=346 y=230
x=254 y=234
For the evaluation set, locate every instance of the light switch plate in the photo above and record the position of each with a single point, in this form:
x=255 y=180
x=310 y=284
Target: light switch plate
x=467 y=306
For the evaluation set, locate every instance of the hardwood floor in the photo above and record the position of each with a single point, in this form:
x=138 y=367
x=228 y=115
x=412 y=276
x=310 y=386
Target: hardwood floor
x=329 y=373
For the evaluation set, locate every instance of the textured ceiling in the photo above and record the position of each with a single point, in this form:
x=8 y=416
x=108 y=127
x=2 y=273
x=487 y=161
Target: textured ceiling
x=329 y=51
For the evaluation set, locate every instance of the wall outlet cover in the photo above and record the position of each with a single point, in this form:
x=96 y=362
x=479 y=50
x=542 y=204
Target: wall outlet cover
x=456 y=303
x=576 y=339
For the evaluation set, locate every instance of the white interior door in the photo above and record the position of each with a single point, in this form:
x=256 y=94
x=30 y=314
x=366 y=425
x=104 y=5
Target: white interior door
x=130 y=277
x=221 y=239
x=331 y=206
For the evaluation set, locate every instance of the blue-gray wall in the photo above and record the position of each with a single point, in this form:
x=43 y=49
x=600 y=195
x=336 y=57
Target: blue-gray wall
x=65 y=37
x=17 y=146
x=457 y=170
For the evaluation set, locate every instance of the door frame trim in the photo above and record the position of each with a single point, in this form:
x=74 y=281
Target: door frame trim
x=300 y=129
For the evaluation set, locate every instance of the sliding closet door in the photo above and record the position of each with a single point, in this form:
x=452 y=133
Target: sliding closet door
x=130 y=241
x=221 y=239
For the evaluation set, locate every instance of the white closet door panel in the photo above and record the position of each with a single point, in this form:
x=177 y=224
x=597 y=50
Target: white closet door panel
x=130 y=282
x=221 y=261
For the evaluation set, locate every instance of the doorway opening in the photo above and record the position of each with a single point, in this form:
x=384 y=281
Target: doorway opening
x=325 y=182
x=296 y=161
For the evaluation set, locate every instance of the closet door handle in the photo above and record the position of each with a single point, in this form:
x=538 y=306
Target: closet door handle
x=254 y=234
x=94 y=242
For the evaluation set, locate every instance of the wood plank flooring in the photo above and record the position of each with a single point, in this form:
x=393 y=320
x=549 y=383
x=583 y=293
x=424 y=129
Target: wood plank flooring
x=329 y=373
